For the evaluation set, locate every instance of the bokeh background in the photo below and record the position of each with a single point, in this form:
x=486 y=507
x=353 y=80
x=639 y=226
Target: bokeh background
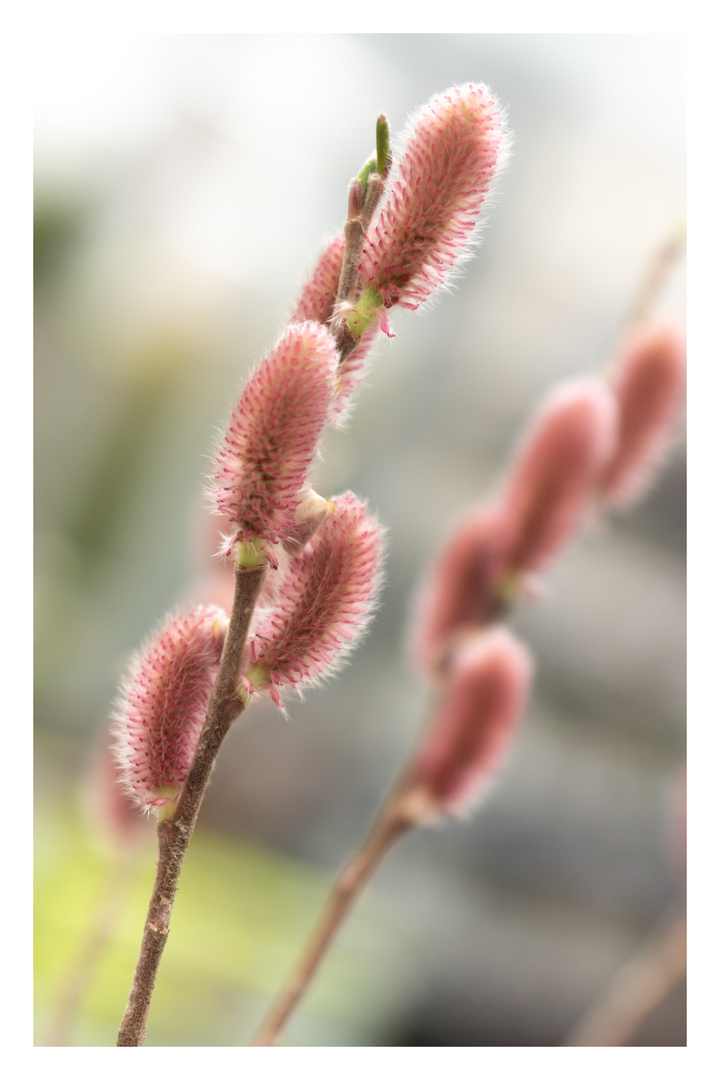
x=184 y=184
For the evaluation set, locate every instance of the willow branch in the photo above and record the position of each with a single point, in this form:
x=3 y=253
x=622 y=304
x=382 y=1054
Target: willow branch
x=174 y=834
x=389 y=827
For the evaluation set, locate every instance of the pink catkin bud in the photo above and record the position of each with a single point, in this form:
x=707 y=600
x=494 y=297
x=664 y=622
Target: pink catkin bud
x=649 y=384
x=453 y=147
x=458 y=595
x=267 y=450
x=317 y=296
x=324 y=601
x=483 y=705
x=163 y=705
x=555 y=474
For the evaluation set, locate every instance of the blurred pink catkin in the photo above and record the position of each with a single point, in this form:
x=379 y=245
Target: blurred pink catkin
x=324 y=601
x=649 y=384
x=267 y=450
x=556 y=471
x=453 y=147
x=163 y=705
x=475 y=723
x=458 y=594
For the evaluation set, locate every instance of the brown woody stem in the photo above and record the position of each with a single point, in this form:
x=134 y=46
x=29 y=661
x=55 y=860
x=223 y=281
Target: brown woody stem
x=174 y=834
x=389 y=827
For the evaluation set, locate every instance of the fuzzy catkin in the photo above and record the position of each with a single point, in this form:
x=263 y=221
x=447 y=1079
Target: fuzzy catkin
x=458 y=593
x=555 y=474
x=483 y=703
x=453 y=148
x=266 y=453
x=324 y=601
x=648 y=383
x=164 y=702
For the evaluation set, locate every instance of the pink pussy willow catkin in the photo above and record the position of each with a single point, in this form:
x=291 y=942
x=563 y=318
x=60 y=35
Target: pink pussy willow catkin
x=649 y=385
x=452 y=150
x=555 y=473
x=163 y=705
x=476 y=720
x=457 y=596
x=324 y=601
x=267 y=450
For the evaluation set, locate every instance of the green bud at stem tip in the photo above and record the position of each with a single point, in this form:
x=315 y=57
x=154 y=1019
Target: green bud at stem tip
x=382 y=142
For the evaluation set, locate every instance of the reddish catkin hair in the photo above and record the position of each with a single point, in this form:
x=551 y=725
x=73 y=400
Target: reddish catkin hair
x=459 y=591
x=324 y=600
x=453 y=148
x=649 y=384
x=267 y=450
x=555 y=473
x=164 y=702
x=483 y=704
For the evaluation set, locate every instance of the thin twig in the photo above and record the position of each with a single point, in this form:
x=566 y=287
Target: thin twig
x=638 y=988
x=174 y=834
x=388 y=828
x=653 y=280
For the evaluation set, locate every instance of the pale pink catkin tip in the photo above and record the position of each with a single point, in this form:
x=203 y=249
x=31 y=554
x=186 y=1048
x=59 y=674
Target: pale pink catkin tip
x=453 y=147
x=483 y=704
x=164 y=702
x=324 y=600
x=458 y=594
x=267 y=450
x=555 y=473
x=649 y=385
